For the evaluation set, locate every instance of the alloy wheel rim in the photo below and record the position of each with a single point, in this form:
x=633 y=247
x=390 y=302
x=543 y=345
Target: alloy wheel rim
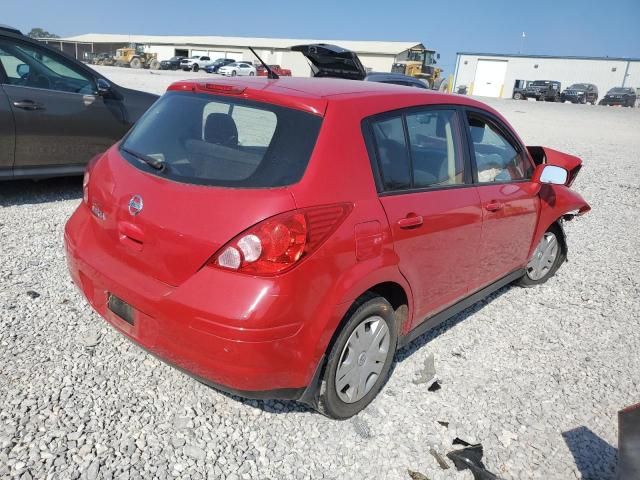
x=543 y=257
x=362 y=359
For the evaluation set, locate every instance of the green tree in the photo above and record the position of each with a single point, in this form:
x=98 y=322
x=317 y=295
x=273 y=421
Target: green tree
x=38 y=32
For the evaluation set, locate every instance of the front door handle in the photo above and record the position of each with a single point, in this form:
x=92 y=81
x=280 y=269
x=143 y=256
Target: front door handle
x=410 y=222
x=28 y=105
x=494 y=206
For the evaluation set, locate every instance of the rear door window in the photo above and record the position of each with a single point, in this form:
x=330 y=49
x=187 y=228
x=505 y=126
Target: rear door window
x=436 y=153
x=392 y=153
x=419 y=149
x=223 y=141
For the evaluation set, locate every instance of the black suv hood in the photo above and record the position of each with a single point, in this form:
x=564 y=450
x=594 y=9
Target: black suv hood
x=332 y=61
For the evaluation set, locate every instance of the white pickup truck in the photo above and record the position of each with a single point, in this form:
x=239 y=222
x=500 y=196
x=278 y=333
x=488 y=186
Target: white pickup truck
x=195 y=63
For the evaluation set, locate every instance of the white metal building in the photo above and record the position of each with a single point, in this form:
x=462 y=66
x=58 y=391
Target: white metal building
x=494 y=75
x=376 y=55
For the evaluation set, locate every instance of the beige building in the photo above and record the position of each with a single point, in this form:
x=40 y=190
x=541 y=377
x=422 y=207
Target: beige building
x=375 y=55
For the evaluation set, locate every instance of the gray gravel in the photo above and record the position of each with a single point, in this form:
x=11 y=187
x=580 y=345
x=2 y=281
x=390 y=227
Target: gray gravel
x=536 y=375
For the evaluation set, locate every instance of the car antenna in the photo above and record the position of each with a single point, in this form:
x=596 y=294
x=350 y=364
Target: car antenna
x=270 y=73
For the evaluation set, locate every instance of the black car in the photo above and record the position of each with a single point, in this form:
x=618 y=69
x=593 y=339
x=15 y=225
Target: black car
x=337 y=62
x=220 y=62
x=623 y=96
x=580 y=93
x=55 y=112
x=547 y=90
x=172 y=64
x=396 y=79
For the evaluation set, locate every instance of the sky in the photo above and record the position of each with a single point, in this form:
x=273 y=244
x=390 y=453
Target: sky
x=560 y=27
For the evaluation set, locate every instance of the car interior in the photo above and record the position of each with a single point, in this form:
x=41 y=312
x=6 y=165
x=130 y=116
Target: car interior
x=28 y=67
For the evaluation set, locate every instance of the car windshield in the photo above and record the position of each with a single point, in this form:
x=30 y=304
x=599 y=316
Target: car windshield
x=579 y=86
x=234 y=64
x=222 y=141
x=195 y=57
x=175 y=58
x=619 y=90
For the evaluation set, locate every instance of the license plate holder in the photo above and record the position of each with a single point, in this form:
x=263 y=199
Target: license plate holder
x=121 y=308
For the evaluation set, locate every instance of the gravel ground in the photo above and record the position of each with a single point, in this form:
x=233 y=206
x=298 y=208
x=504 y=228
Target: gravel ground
x=537 y=375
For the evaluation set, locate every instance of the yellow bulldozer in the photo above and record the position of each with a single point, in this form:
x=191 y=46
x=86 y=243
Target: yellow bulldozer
x=134 y=56
x=420 y=63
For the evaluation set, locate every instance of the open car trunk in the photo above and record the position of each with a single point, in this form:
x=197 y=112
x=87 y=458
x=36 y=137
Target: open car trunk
x=332 y=61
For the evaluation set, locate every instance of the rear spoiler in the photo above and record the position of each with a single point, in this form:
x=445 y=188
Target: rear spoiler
x=571 y=163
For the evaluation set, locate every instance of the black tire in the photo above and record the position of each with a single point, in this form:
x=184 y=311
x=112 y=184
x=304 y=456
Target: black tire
x=517 y=96
x=527 y=281
x=362 y=310
x=196 y=67
x=251 y=74
x=233 y=73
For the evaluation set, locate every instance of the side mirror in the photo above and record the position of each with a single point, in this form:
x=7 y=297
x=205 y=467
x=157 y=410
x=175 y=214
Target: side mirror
x=550 y=174
x=23 y=70
x=104 y=87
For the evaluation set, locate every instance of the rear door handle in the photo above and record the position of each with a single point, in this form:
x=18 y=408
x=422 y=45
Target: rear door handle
x=494 y=206
x=28 y=105
x=410 y=222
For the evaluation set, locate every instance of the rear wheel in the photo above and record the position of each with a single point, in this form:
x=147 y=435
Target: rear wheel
x=251 y=74
x=546 y=259
x=517 y=96
x=154 y=64
x=135 y=63
x=360 y=359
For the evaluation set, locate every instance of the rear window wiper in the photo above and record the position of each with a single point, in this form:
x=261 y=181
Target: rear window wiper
x=152 y=162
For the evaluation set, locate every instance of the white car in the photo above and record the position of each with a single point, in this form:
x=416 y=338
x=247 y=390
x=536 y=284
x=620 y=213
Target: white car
x=238 y=68
x=195 y=62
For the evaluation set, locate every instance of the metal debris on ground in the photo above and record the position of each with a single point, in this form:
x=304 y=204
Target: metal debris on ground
x=470 y=458
x=434 y=387
x=417 y=475
x=441 y=461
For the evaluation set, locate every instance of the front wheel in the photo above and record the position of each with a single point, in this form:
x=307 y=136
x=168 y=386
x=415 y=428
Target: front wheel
x=546 y=259
x=233 y=73
x=360 y=359
x=517 y=96
x=196 y=67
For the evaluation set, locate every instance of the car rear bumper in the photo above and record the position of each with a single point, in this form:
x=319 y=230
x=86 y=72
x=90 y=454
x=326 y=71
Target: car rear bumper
x=199 y=327
x=613 y=102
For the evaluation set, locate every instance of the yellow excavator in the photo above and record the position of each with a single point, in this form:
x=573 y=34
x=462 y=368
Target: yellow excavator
x=420 y=63
x=134 y=56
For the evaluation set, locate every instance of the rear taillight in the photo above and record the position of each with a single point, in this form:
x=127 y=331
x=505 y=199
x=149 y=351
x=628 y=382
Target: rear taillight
x=278 y=243
x=87 y=178
x=85 y=186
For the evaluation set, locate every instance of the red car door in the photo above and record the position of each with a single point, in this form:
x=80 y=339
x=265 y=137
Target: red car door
x=510 y=204
x=432 y=207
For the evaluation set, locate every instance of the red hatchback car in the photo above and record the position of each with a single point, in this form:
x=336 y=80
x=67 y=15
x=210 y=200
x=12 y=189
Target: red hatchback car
x=283 y=238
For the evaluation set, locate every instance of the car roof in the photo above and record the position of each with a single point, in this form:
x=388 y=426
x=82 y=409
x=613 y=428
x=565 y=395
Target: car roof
x=7 y=28
x=313 y=94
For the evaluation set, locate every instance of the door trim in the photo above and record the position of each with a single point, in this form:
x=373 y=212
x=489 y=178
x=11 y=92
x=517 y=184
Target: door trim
x=435 y=320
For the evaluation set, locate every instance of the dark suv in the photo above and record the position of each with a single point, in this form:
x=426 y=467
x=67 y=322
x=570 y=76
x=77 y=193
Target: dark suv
x=55 y=112
x=623 y=96
x=580 y=93
x=547 y=90
x=172 y=64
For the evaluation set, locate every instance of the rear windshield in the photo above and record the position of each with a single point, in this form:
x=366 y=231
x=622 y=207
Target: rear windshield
x=620 y=90
x=579 y=86
x=222 y=141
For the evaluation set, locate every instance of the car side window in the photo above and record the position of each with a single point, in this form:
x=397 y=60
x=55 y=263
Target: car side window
x=435 y=148
x=30 y=66
x=392 y=153
x=497 y=159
